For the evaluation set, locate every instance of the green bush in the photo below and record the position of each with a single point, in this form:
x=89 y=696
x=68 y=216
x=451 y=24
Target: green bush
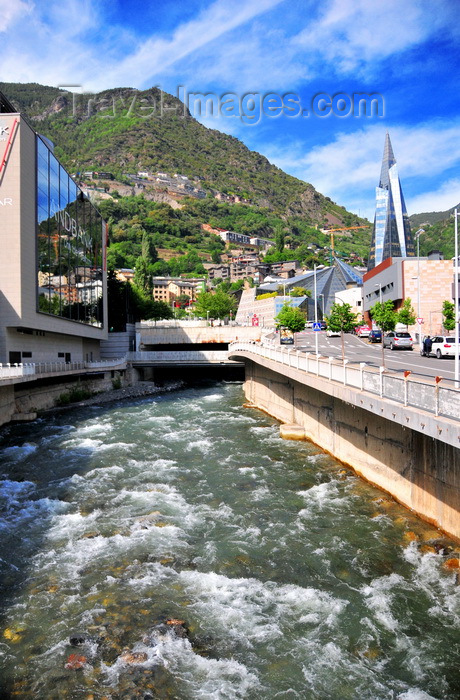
x=266 y=296
x=116 y=383
x=76 y=393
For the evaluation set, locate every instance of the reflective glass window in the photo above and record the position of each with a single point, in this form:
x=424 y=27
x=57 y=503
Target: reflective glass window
x=70 y=230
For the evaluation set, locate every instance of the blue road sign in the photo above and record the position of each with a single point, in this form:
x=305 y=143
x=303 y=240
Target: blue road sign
x=317 y=326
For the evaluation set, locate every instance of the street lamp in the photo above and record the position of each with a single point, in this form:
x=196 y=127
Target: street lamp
x=316 y=313
x=417 y=235
x=457 y=329
x=322 y=304
x=381 y=329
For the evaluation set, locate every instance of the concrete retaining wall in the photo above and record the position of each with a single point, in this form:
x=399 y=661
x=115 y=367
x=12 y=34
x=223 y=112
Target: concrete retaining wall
x=29 y=398
x=421 y=472
x=156 y=335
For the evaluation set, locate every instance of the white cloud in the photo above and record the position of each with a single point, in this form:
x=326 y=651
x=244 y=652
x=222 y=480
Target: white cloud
x=357 y=33
x=10 y=12
x=154 y=56
x=446 y=196
x=348 y=168
x=263 y=59
x=246 y=45
x=55 y=46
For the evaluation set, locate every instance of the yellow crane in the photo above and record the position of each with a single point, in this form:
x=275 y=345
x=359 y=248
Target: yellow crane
x=343 y=228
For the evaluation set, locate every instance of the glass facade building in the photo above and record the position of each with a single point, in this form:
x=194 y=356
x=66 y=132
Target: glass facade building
x=70 y=245
x=391 y=236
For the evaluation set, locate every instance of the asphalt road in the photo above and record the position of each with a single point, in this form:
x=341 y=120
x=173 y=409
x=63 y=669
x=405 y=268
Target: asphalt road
x=360 y=350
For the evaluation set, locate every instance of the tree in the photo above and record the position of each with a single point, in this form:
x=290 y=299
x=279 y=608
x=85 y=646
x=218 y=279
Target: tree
x=291 y=317
x=448 y=313
x=183 y=300
x=406 y=314
x=299 y=292
x=279 y=239
x=143 y=276
x=149 y=252
x=156 y=310
x=215 y=256
x=128 y=304
x=160 y=269
x=218 y=305
x=341 y=319
x=385 y=317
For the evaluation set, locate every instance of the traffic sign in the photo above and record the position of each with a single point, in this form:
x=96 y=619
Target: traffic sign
x=317 y=326
x=420 y=321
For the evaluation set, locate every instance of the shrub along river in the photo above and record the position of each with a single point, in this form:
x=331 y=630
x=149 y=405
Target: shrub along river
x=176 y=547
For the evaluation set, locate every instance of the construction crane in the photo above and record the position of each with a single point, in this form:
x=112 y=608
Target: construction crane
x=331 y=231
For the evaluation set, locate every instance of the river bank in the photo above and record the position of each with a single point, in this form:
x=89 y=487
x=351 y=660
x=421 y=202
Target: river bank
x=135 y=391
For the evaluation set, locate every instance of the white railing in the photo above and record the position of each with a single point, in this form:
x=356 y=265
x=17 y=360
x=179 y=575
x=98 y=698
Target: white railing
x=409 y=391
x=180 y=356
x=109 y=363
x=18 y=370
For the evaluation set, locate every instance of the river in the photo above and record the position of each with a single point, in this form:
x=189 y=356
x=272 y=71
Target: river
x=176 y=547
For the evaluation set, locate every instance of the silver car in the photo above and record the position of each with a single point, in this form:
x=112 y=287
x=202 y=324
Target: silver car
x=398 y=340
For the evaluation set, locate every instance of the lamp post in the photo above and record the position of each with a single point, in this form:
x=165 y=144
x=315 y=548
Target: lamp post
x=316 y=312
x=457 y=329
x=322 y=304
x=381 y=329
x=417 y=235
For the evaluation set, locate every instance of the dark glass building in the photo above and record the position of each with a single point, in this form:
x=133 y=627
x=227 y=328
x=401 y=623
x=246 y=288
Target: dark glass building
x=53 y=303
x=391 y=236
x=69 y=229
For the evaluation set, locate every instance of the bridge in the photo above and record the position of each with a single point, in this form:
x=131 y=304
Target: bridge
x=401 y=433
x=426 y=406
x=189 y=358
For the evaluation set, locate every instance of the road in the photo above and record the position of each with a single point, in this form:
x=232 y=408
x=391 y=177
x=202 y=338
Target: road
x=360 y=350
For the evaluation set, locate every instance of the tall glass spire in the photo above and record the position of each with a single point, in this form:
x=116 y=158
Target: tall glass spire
x=391 y=236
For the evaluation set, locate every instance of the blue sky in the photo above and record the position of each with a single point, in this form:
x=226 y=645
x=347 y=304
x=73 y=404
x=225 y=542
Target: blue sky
x=407 y=51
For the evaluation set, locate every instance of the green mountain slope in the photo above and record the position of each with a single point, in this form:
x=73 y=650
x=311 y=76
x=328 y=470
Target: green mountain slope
x=439 y=231
x=430 y=217
x=125 y=131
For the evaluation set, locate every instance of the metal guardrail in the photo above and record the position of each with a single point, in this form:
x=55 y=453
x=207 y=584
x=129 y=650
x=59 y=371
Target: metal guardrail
x=18 y=370
x=426 y=396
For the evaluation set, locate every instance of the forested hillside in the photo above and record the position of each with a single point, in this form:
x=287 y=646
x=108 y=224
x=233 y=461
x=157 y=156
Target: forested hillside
x=125 y=131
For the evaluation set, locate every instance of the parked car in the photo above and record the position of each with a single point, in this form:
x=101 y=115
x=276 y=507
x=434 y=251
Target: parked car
x=443 y=346
x=331 y=334
x=309 y=324
x=363 y=331
x=375 y=336
x=323 y=325
x=398 y=340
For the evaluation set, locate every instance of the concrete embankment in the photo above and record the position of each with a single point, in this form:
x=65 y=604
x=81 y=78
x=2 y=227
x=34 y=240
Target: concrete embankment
x=23 y=401
x=419 y=471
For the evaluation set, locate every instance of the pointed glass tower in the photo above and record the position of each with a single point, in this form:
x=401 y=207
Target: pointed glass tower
x=391 y=236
